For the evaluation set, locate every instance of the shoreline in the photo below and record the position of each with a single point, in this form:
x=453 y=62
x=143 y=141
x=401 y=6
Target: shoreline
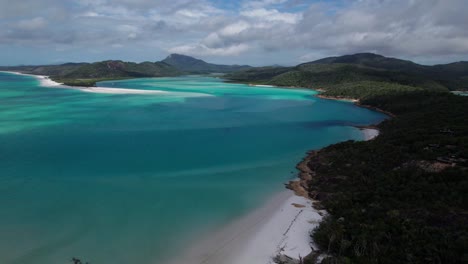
x=47 y=82
x=370 y=133
x=43 y=79
x=336 y=98
x=278 y=227
x=355 y=101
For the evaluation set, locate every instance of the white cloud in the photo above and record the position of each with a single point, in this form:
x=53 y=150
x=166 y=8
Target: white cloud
x=203 y=50
x=234 y=29
x=32 y=24
x=272 y=15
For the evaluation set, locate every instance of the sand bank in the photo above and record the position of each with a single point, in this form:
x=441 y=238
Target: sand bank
x=281 y=226
x=118 y=90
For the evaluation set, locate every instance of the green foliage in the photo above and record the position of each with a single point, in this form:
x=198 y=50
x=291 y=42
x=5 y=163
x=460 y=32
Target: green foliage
x=120 y=69
x=368 y=89
x=351 y=81
x=386 y=202
x=360 y=71
x=85 y=82
x=256 y=75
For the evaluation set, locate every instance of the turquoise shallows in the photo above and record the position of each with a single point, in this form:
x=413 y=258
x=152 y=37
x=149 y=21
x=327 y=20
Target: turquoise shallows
x=120 y=178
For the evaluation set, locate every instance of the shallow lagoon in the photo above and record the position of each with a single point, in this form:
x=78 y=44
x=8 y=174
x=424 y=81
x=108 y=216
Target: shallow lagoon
x=119 y=178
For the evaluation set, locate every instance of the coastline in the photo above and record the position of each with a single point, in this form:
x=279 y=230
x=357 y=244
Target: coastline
x=355 y=101
x=278 y=229
x=44 y=80
x=370 y=133
x=47 y=82
x=280 y=226
x=345 y=99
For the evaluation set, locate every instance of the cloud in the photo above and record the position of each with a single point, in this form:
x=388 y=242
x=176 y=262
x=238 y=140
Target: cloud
x=296 y=29
x=203 y=50
x=32 y=24
x=272 y=15
x=400 y=28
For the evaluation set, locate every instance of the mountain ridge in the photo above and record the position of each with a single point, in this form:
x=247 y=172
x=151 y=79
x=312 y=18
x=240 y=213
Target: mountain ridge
x=193 y=65
x=324 y=73
x=363 y=72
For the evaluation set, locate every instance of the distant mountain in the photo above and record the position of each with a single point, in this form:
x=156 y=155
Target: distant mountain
x=361 y=75
x=370 y=60
x=192 y=65
x=50 y=70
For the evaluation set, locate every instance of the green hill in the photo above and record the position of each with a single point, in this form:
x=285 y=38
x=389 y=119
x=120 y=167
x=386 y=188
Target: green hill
x=118 y=69
x=347 y=76
x=402 y=197
x=370 y=60
x=195 y=66
x=89 y=74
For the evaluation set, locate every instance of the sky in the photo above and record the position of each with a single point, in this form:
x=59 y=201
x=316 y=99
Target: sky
x=254 y=32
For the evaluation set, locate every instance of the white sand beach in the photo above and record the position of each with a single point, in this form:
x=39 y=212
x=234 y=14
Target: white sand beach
x=118 y=90
x=47 y=82
x=281 y=226
x=370 y=133
x=263 y=85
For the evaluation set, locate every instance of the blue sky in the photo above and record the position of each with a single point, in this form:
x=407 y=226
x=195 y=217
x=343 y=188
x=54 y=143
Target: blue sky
x=256 y=32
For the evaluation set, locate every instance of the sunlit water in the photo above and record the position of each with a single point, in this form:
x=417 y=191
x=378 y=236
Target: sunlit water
x=119 y=178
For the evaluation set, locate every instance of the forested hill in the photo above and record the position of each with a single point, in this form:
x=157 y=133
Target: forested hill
x=361 y=75
x=191 y=65
x=402 y=197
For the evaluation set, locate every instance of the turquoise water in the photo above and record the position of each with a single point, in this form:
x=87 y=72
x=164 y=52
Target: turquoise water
x=119 y=178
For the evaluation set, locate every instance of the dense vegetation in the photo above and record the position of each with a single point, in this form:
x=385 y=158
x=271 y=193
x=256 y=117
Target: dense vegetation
x=195 y=66
x=89 y=74
x=403 y=197
x=360 y=76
